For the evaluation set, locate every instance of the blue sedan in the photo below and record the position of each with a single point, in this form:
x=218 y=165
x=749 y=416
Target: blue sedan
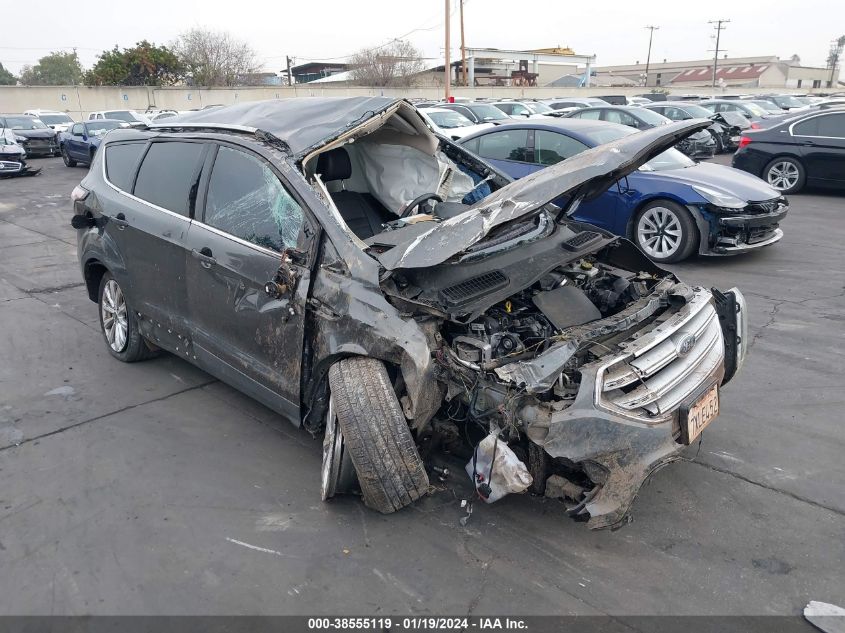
x=671 y=207
x=80 y=142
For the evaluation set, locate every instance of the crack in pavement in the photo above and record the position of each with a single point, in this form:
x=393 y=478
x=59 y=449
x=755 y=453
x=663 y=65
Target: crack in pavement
x=772 y=317
x=105 y=415
x=49 y=237
x=765 y=486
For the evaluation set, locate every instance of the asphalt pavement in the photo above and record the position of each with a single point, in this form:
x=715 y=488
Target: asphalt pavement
x=152 y=488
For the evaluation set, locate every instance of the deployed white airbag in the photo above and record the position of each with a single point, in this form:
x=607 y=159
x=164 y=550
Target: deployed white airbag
x=396 y=174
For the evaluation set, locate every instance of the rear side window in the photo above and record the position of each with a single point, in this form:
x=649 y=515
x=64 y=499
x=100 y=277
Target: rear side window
x=247 y=200
x=121 y=163
x=168 y=173
x=551 y=147
x=588 y=114
x=505 y=145
x=832 y=125
x=810 y=127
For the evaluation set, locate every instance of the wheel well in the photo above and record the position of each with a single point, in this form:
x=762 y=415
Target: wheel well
x=94 y=272
x=629 y=231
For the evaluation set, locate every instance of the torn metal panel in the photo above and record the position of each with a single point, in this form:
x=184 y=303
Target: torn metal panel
x=594 y=170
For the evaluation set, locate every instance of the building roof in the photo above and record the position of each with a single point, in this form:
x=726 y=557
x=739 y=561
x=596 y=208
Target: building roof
x=726 y=71
x=314 y=67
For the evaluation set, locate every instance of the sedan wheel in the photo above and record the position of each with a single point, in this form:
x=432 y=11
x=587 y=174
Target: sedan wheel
x=785 y=174
x=115 y=324
x=66 y=158
x=665 y=232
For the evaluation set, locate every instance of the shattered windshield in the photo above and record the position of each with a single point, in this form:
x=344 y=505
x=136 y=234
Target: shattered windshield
x=24 y=123
x=246 y=199
x=447 y=119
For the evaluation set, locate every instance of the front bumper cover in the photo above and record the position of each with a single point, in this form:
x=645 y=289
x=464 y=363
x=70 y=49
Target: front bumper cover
x=729 y=232
x=619 y=451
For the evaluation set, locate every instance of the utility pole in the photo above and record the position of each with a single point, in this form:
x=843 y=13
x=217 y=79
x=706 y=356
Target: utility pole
x=290 y=76
x=447 y=72
x=463 y=48
x=719 y=28
x=651 y=30
x=835 y=53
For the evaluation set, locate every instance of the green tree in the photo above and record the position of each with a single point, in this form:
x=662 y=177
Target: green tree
x=145 y=64
x=55 y=69
x=7 y=78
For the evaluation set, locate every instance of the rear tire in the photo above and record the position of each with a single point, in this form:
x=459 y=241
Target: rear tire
x=119 y=325
x=785 y=174
x=376 y=434
x=66 y=157
x=665 y=232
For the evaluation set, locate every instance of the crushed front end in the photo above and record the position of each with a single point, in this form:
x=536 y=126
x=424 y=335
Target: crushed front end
x=589 y=371
x=738 y=230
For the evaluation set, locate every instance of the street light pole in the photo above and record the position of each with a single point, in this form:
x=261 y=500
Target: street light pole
x=719 y=28
x=651 y=30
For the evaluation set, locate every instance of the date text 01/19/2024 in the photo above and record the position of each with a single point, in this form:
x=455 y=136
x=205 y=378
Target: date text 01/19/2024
x=417 y=623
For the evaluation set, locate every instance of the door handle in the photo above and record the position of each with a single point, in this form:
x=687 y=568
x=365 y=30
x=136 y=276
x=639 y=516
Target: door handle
x=809 y=143
x=120 y=221
x=204 y=256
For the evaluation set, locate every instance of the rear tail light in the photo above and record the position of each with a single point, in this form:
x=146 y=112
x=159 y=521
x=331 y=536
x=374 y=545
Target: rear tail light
x=79 y=193
x=756 y=126
x=744 y=140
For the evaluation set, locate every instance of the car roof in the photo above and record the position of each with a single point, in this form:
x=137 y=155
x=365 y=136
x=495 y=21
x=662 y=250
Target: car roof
x=300 y=122
x=577 y=128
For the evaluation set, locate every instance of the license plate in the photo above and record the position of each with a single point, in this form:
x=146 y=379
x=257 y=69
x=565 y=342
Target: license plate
x=699 y=414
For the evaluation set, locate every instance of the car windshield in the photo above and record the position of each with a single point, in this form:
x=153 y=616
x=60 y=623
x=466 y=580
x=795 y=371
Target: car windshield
x=537 y=108
x=24 y=123
x=670 y=159
x=55 y=119
x=649 y=116
x=123 y=115
x=448 y=119
x=101 y=127
x=697 y=111
x=488 y=113
x=788 y=101
x=755 y=109
x=768 y=106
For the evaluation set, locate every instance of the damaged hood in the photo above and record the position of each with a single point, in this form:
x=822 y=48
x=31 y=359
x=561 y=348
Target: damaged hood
x=593 y=171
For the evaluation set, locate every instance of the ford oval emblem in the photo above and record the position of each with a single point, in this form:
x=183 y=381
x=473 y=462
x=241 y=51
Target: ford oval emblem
x=686 y=344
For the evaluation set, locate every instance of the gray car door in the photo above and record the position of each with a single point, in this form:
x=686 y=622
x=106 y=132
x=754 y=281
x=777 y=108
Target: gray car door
x=241 y=333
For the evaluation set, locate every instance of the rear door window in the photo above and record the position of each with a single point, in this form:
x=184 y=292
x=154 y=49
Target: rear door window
x=832 y=125
x=505 y=145
x=617 y=116
x=246 y=199
x=121 y=163
x=168 y=174
x=551 y=147
x=589 y=114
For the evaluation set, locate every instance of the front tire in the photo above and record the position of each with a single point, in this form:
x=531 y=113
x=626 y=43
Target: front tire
x=666 y=232
x=376 y=434
x=785 y=174
x=66 y=157
x=119 y=325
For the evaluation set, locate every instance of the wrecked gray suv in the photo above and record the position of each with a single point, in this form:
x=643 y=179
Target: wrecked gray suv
x=342 y=264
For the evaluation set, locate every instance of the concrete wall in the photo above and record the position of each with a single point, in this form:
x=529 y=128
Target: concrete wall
x=78 y=101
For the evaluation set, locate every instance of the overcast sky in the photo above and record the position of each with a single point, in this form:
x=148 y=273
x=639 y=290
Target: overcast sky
x=321 y=29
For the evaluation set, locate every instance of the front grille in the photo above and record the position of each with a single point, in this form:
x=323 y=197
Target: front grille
x=661 y=376
x=762 y=208
x=475 y=287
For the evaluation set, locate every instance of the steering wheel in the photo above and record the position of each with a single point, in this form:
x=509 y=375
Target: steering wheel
x=416 y=202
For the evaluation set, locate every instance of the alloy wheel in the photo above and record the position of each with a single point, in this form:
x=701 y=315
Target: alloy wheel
x=783 y=175
x=113 y=311
x=659 y=232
